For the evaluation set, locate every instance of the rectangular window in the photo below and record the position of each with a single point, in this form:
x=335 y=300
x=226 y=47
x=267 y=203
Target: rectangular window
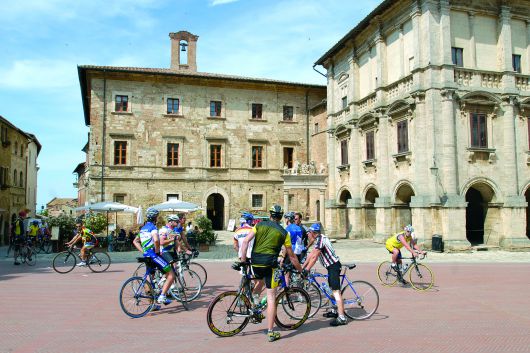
x=172 y=154
x=516 y=63
x=316 y=128
x=457 y=55
x=173 y=105
x=119 y=198
x=4 y=135
x=215 y=156
x=215 y=108
x=288 y=113
x=257 y=110
x=257 y=201
x=121 y=103
x=344 y=152
x=370 y=146
x=120 y=152
x=344 y=102
x=288 y=153
x=479 y=131
x=403 y=136
x=257 y=156
x=172 y=197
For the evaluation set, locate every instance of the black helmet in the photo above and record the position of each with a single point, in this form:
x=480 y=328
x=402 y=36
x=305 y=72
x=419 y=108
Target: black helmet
x=79 y=220
x=289 y=216
x=151 y=214
x=276 y=211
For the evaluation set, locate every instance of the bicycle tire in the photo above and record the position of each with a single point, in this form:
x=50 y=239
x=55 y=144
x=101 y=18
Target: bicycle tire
x=99 y=262
x=225 y=308
x=315 y=296
x=192 y=286
x=421 y=277
x=64 y=262
x=140 y=270
x=31 y=257
x=386 y=274
x=135 y=293
x=361 y=302
x=183 y=298
x=38 y=247
x=293 y=306
x=47 y=247
x=200 y=270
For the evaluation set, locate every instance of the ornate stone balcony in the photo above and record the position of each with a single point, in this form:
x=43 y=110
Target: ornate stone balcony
x=478 y=78
x=522 y=82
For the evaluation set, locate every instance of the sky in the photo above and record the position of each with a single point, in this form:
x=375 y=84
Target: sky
x=43 y=41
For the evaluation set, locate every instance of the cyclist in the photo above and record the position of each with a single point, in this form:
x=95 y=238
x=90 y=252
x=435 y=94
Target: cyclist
x=246 y=226
x=324 y=252
x=33 y=232
x=148 y=243
x=180 y=230
x=18 y=234
x=298 y=222
x=88 y=238
x=296 y=236
x=407 y=239
x=167 y=237
x=269 y=237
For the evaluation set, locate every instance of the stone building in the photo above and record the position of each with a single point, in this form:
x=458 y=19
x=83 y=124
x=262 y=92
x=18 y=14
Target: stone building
x=18 y=174
x=221 y=141
x=428 y=106
x=61 y=206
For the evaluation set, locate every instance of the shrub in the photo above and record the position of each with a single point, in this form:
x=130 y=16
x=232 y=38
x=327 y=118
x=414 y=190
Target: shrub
x=206 y=234
x=96 y=222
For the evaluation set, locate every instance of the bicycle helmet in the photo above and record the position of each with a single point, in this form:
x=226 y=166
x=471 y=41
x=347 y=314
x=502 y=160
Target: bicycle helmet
x=173 y=217
x=276 y=211
x=35 y=222
x=289 y=216
x=151 y=214
x=408 y=228
x=315 y=228
x=247 y=216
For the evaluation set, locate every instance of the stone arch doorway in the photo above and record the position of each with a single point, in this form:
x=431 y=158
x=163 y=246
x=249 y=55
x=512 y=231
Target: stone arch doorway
x=527 y=197
x=479 y=218
x=402 y=211
x=370 y=212
x=215 y=205
x=344 y=219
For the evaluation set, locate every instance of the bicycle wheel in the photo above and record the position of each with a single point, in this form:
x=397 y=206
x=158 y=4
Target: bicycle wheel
x=99 y=262
x=31 y=256
x=47 y=246
x=315 y=296
x=387 y=275
x=421 y=277
x=361 y=300
x=293 y=306
x=200 y=270
x=140 y=270
x=228 y=314
x=39 y=247
x=192 y=286
x=180 y=289
x=137 y=297
x=64 y=262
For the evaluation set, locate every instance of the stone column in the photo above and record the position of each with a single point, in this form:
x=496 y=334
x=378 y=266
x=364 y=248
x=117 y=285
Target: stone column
x=383 y=214
x=445 y=34
x=472 y=45
x=285 y=200
x=401 y=53
x=505 y=39
x=321 y=211
x=449 y=158
x=528 y=43
x=380 y=48
x=329 y=206
x=416 y=15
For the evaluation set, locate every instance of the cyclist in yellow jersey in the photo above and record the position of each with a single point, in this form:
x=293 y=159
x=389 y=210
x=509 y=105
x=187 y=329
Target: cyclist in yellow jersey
x=269 y=237
x=33 y=231
x=406 y=239
x=88 y=238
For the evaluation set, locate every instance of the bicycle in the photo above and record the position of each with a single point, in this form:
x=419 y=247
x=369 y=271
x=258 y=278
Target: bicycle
x=234 y=309
x=420 y=275
x=25 y=253
x=66 y=261
x=138 y=294
x=361 y=299
x=184 y=261
x=43 y=244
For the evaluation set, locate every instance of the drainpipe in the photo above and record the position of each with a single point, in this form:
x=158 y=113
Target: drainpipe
x=319 y=71
x=307 y=139
x=104 y=139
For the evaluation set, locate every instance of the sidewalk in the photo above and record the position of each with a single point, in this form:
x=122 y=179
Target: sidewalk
x=348 y=250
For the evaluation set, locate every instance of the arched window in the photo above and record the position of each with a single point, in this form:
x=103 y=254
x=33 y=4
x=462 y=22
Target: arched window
x=15 y=183
x=16 y=147
x=21 y=179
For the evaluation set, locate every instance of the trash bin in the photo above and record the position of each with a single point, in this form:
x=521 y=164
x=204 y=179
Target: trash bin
x=437 y=243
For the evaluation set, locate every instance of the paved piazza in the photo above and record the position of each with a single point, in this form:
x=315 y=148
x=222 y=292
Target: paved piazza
x=476 y=306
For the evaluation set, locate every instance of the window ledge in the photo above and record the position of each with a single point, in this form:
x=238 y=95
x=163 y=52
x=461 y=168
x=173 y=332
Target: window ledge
x=215 y=118
x=216 y=169
x=402 y=157
x=121 y=113
x=287 y=122
x=168 y=115
x=258 y=120
x=475 y=153
x=174 y=169
x=370 y=163
x=258 y=170
x=344 y=168
x=114 y=166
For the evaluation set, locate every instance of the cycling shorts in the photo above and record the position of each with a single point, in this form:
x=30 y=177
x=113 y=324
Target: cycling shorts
x=267 y=274
x=334 y=276
x=88 y=245
x=390 y=249
x=160 y=263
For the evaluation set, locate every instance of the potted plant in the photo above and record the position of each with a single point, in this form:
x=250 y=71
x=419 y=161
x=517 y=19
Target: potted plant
x=206 y=235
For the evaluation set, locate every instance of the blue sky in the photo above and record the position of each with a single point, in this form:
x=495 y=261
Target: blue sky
x=43 y=41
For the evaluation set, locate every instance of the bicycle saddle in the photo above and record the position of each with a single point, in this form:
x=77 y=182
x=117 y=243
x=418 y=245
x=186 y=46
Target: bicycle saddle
x=349 y=266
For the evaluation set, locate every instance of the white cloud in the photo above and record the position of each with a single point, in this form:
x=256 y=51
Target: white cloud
x=39 y=74
x=221 y=2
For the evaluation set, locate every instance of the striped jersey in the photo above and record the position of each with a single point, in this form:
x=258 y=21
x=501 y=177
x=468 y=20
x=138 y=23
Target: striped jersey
x=146 y=238
x=327 y=255
x=239 y=235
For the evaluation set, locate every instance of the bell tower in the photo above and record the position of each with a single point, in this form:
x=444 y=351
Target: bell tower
x=183 y=51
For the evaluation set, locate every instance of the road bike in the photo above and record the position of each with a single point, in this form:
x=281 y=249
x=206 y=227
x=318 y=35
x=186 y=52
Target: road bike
x=138 y=295
x=66 y=261
x=361 y=299
x=43 y=244
x=420 y=275
x=25 y=253
x=230 y=312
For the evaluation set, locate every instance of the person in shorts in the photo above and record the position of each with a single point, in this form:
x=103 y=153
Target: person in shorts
x=86 y=236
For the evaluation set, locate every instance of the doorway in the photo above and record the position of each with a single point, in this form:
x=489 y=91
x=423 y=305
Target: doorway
x=344 y=218
x=215 y=205
x=475 y=217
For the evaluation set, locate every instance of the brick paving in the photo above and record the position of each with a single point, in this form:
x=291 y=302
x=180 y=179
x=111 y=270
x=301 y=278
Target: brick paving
x=477 y=305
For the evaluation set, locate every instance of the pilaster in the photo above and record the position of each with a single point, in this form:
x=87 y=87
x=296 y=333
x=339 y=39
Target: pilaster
x=445 y=32
x=511 y=176
x=505 y=39
x=514 y=229
x=383 y=213
x=449 y=157
x=472 y=44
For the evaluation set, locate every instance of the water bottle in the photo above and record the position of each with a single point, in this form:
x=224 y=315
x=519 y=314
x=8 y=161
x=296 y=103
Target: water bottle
x=326 y=289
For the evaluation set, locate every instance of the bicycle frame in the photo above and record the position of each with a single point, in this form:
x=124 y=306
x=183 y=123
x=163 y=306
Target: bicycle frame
x=344 y=279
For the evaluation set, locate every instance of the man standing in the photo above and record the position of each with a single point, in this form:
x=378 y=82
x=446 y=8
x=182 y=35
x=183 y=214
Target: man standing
x=298 y=222
x=269 y=237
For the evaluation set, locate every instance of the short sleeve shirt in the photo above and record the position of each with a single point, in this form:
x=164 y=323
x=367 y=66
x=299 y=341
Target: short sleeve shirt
x=268 y=241
x=239 y=235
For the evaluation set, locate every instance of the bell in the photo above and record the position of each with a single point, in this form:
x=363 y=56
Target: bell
x=183 y=46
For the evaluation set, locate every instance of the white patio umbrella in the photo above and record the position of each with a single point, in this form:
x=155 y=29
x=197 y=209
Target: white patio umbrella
x=107 y=206
x=177 y=206
x=139 y=216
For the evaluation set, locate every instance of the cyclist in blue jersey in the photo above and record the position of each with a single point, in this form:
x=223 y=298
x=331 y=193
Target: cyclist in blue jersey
x=148 y=243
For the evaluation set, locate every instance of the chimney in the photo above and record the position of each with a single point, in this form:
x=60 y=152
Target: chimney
x=183 y=51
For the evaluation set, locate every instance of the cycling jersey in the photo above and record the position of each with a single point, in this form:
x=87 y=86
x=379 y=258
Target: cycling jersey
x=327 y=255
x=164 y=233
x=269 y=239
x=394 y=242
x=296 y=238
x=33 y=230
x=87 y=236
x=239 y=235
x=146 y=238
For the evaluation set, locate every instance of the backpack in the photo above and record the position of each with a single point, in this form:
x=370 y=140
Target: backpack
x=18 y=227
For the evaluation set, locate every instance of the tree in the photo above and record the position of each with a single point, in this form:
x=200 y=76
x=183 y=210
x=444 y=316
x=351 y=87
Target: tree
x=96 y=222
